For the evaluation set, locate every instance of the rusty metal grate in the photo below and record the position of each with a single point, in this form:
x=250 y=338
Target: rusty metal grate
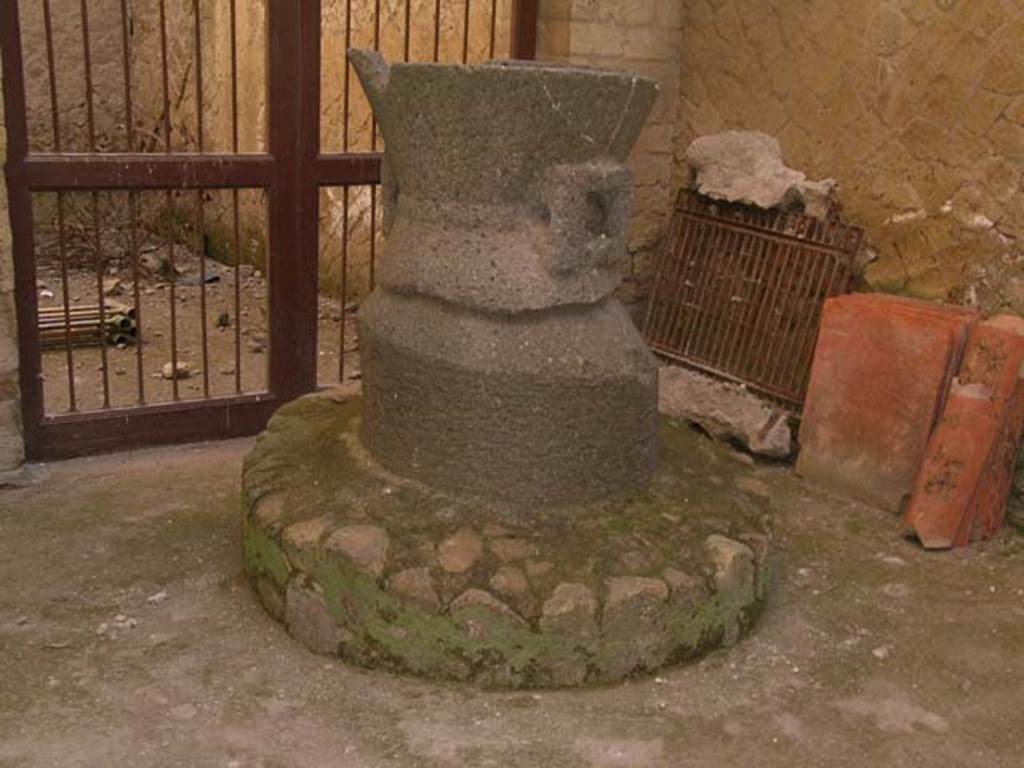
x=739 y=291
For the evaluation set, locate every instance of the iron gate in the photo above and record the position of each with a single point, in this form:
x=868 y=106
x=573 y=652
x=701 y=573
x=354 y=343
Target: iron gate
x=291 y=173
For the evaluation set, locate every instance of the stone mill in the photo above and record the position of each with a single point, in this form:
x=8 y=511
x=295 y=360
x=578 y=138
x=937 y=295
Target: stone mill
x=502 y=503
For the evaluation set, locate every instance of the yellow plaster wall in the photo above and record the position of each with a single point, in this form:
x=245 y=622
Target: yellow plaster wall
x=915 y=106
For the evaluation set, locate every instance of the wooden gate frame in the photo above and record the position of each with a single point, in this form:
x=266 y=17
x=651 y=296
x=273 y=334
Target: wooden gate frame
x=292 y=173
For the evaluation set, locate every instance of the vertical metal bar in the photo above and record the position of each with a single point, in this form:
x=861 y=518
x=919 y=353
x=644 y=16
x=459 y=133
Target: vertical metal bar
x=236 y=244
x=524 y=28
x=376 y=47
x=61 y=223
x=200 y=224
x=97 y=244
x=437 y=29
x=52 y=67
x=494 y=28
x=348 y=79
x=465 y=34
x=373 y=147
x=294 y=144
x=345 y=199
x=19 y=203
x=133 y=238
x=169 y=202
x=200 y=248
x=165 y=77
x=129 y=122
x=199 y=75
x=408 y=29
x=344 y=285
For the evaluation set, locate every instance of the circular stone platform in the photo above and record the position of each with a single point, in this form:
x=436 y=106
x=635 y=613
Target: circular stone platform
x=391 y=574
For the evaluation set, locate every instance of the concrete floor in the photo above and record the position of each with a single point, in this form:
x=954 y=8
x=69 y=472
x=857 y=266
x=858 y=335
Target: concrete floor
x=128 y=637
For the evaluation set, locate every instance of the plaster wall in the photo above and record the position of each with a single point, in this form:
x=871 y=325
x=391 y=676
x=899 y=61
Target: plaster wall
x=915 y=106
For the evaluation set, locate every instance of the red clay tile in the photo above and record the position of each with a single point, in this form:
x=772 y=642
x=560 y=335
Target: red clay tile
x=998 y=359
x=958 y=453
x=961 y=492
x=881 y=370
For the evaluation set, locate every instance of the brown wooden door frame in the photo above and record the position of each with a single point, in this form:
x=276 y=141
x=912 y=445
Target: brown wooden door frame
x=292 y=173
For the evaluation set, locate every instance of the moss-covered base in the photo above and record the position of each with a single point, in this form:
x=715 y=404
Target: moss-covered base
x=391 y=574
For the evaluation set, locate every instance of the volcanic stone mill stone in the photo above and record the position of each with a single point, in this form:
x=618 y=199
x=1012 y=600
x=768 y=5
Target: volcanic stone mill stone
x=495 y=360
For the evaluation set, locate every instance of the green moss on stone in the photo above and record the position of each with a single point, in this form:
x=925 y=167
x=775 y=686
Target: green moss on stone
x=310 y=456
x=263 y=555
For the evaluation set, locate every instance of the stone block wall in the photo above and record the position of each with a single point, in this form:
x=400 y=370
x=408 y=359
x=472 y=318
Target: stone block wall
x=11 y=451
x=642 y=36
x=916 y=107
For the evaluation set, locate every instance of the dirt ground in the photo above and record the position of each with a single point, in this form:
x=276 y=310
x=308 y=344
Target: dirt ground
x=128 y=637
x=155 y=300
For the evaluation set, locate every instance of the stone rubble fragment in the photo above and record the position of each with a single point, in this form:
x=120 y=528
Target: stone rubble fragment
x=416 y=585
x=308 y=618
x=366 y=546
x=734 y=568
x=460 y=551
x=724 y=410
x=510 y=581
x=747 y=167
x=571 y=610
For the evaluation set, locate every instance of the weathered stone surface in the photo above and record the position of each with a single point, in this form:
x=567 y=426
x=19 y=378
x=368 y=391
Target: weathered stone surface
x=510 y=582
x=416 y=585
x=734 y=569
x=469 y=408
x=571 y=610
x=269 y=512
x=685 y=589
x=633 y=625
x=726 y=411
x=747 y=167
x=365 y=545
x=460 y=551
x=271 y=596
x=628 y=593
x=470 y=383
x=308 y=619
x=302 y=539
x=510 y=549
x=538 y=568
x=474 y=609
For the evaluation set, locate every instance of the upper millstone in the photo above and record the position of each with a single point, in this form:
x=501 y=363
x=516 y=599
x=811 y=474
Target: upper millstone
x=504 y=184
x=495 y=360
